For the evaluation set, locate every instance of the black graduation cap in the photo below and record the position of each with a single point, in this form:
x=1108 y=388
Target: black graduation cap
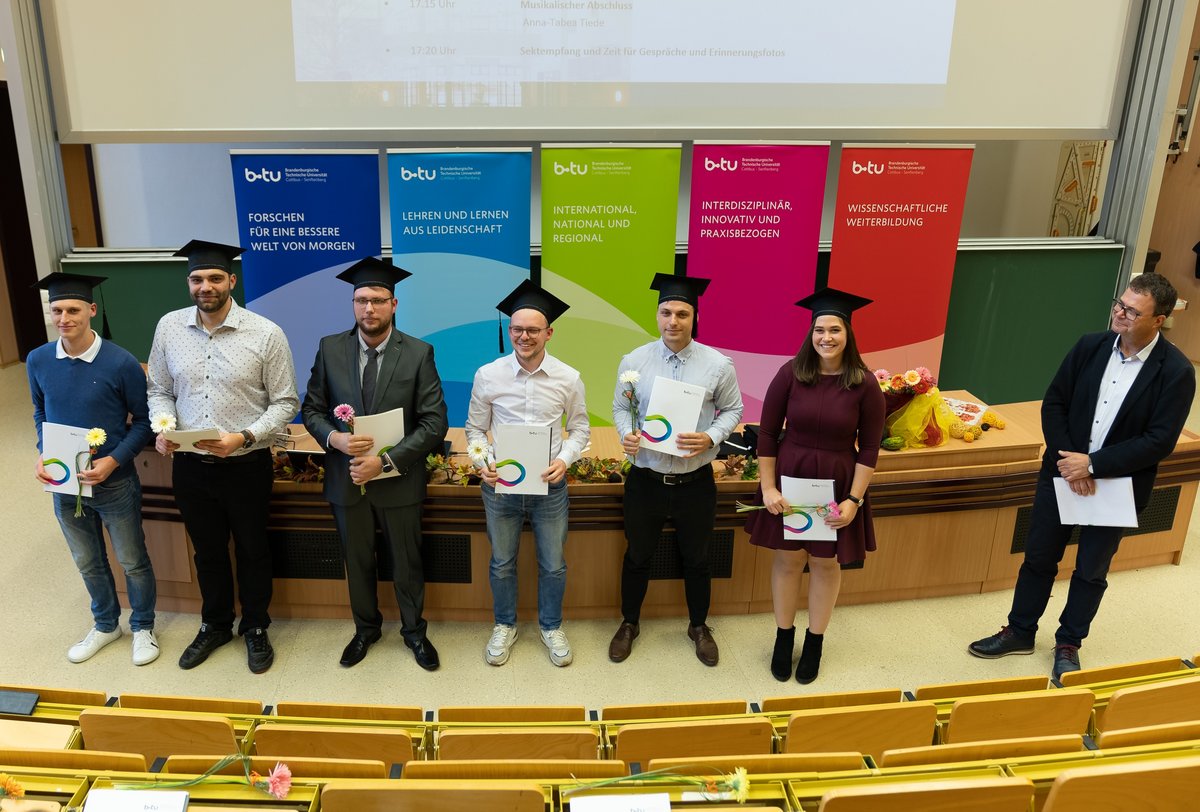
x=375 y=273
x=831 y=301
x=63 y=285
x=203 y=254
x=532 y=296
x=686 y=289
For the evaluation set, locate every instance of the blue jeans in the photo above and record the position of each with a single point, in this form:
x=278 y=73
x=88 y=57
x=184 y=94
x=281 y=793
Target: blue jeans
x=506 y=513
x=116 y=506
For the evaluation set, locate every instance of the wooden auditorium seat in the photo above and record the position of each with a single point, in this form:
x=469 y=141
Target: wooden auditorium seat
x=985 y=687
x=519 y=742
x=769 y=764
x=62 y=696
x=432 y=796
x=841 y=699
x=538 y=769
x=1150 y=734
x=335 y=710
x=1165 y=666
x=867 y=729
x=300 y=767
x=74 y=760
x=193 y=704
x=1155 y=704
x=1022 y=715
x=156 y=734
x=997 y=749
x=641 y=743
x=500 y=714
x=284 y=740
x=973 y=794
x=673 y=710
x=27 y=732
x=1148 y=786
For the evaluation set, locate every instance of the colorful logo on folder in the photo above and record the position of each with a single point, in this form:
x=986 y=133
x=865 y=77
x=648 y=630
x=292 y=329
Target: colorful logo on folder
x=789 y=521
x=666 y=428
x=66 y=472
x=508 y=483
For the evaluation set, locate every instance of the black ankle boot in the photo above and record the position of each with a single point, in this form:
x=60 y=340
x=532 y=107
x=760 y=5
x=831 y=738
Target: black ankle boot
x=810 y=658
x=781 y=658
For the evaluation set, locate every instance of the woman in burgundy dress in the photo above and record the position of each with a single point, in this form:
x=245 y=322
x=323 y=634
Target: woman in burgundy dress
x=834 y=411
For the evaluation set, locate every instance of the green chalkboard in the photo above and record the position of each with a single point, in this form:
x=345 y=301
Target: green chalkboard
x=1015 y=311
x=136 y=293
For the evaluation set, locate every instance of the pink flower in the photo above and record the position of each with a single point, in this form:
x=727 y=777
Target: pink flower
x=834 y=510
x=279 y=782
x=344 y=413
x=882 y=375
x=926 y=375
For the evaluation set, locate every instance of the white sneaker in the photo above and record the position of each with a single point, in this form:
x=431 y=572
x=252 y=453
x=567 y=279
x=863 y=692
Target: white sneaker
x=95 y=640
x=560 y=649
x=145 y=647
x=500 y=644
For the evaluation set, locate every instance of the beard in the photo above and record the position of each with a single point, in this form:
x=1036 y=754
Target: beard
x=213 y=304
x=374 y=332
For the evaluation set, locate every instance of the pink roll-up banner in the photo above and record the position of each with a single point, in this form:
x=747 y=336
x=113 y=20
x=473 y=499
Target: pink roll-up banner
x=753 y=230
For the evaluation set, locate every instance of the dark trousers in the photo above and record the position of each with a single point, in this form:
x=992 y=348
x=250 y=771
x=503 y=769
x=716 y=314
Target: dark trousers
x=221 y=497
x=1044 y=548
x=692 y=509
x=402 y=533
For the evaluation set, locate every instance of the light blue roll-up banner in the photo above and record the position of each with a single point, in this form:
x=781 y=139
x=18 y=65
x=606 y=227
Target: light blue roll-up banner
x=460 y=225
x=303 y=218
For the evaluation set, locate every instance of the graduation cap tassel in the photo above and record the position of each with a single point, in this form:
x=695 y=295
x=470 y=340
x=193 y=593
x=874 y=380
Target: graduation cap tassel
x=105 y=332
x=500 y=333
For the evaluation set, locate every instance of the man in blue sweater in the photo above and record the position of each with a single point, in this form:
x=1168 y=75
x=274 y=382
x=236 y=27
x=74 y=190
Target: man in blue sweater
x=84 y=381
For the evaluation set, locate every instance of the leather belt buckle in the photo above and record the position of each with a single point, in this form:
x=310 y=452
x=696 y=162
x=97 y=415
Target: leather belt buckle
x=670 y=479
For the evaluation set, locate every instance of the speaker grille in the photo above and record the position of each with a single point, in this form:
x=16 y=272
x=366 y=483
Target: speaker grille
x=667 y=564
x=1158 y=516
x=317 y=554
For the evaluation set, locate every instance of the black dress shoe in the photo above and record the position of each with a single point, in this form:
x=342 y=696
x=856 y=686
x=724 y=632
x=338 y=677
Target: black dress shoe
x=1066 y=660
x=425 y=654
x=1001 y=644
x=259 y=654
x=356 y=649
x=207 y=641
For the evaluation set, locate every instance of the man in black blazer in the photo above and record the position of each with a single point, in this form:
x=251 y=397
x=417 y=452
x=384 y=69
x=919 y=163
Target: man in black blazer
x=1115 y=408
x=375 y=368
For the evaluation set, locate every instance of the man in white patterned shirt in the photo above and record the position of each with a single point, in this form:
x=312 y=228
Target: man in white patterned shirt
x=218 y=366
x=529 y=387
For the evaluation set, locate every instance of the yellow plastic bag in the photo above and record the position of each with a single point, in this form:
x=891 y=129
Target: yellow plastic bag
x=924 y=422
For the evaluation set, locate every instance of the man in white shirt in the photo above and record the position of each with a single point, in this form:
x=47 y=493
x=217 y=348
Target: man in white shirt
x=528 y=387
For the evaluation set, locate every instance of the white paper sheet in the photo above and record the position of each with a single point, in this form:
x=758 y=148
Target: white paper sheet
x=522 y=453
x=674 y=409
x=1110 y=506
x=187 y=439
x=807 y=494
x=60 y=445
x=386 y=429
x=622 y=802
x=136 y=800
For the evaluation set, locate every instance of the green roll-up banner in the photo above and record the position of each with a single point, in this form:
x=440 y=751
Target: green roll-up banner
x=608 y=225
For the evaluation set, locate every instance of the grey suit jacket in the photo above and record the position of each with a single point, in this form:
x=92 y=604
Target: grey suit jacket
x=408 y=379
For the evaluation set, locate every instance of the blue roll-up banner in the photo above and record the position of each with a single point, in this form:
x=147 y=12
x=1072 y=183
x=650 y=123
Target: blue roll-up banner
x=460 y=224
x=304 y=216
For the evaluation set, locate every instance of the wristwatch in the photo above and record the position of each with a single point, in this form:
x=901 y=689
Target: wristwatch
x=387 y=463
x=249 y=441
x=856 y=500
x=1090 y=471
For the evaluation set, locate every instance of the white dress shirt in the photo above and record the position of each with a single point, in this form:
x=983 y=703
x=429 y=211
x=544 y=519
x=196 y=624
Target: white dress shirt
x=238 y=376
x=504 y=393
x=1119 y=375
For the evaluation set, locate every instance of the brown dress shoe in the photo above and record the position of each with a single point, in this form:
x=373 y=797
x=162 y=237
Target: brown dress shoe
x=622 y=642
x=706 y=647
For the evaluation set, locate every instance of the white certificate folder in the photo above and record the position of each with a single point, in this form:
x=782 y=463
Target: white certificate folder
x=811 y=497
x=674 y=409
x=522 y=453
x=1110 y=506
x=386 y=429
x=63 y=447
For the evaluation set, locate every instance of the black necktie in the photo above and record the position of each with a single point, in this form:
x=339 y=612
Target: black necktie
x=370 y=375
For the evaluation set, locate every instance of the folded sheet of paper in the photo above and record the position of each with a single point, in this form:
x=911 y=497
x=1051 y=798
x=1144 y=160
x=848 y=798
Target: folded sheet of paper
x=187 y=439
x=674 y=409
x=135 y=800
x=1110 y=506
x=812 y=496
x=522 y=453
x=386 y=429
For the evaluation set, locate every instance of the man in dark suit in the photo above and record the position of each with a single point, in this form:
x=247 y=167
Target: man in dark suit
x=373 y=369
x=1114 y=409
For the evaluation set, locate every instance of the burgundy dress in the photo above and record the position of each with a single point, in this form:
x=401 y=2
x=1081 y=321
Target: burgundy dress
x=824 y=422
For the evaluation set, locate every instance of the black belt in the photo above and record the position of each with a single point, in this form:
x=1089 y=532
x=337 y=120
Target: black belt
x=240 y=459
x=676 y=479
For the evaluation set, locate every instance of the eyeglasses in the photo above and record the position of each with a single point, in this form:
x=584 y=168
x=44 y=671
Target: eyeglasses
x=532 y=332
x=376 y=302
x=1126 y=311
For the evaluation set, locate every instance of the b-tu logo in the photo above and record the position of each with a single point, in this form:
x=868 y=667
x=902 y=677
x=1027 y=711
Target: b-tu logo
x=570 y=169
x=871 y=168
x=724 y=165
x=264 y=175
x=421 y=174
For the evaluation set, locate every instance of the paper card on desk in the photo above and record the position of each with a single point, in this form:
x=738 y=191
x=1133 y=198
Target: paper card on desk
x=187 y=439
x=642 y=802
x=386 y=429
x=674 y=409
x=27 y=805
x=969 y=412
x=1110 y=506
x=135 y=800
x=62 y=447
x=522 y=453
x=811 y=497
